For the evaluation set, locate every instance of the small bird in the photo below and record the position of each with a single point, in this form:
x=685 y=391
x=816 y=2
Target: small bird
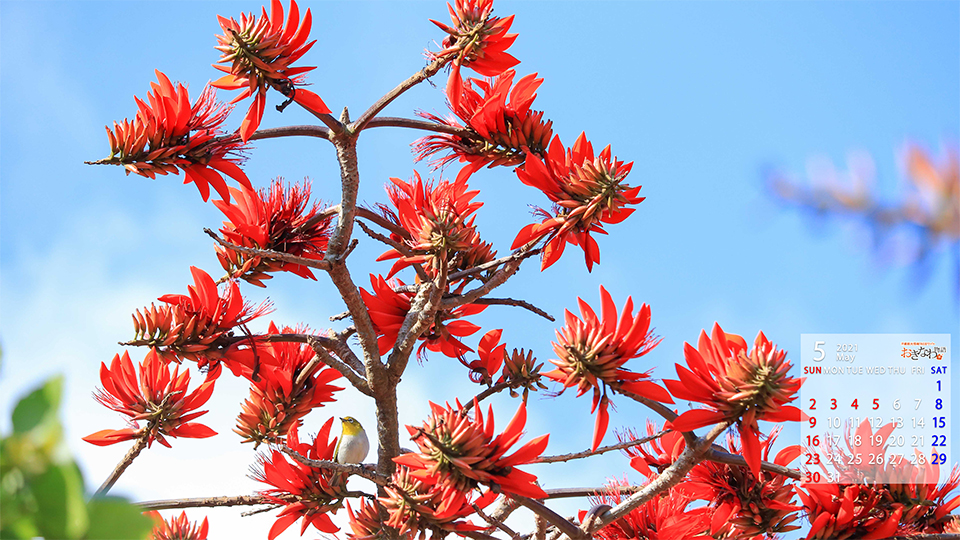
x=352 y=447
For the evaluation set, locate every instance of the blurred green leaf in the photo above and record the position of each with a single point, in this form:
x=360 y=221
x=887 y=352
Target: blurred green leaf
x=60 y=500
x=39 y=407
x=113 y=518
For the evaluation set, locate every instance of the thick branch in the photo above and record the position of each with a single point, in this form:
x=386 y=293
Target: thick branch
x=428 y=71
x=598 y=451
x=124 y=463
x=359 y=470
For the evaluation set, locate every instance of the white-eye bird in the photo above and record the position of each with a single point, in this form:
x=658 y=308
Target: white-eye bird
x=352 y=446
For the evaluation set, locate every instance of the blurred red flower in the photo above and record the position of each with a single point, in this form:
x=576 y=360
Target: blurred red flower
x=169 y=134
x=156 y=397
x=592 y=352
x=276 y=219
x=738 y=385
x=259 y=53
x=177 y=528
x=586 y=192
x=304 y=492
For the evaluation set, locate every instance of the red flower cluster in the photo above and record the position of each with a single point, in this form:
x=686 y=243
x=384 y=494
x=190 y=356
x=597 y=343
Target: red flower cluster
x=276 y=401
x=276 y=219
x=746 y=505
x=586 y=192
x=169 y=134
x=438 y=222
x=304 y=492
x=156 y=397
x=737 y=384
x=260 y=52
x=664 y=517
x=520 y=369
x=388 y=307
x=895 y=486
x=477 y=40
x=416 y=507
x=178 y=528
x=198 y=326
x=592 y=353
x=459 y=453
x=501 y=132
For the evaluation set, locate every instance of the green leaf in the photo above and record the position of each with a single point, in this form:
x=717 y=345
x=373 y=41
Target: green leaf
x=113 y=518
x=39 y=406
x=60 y=501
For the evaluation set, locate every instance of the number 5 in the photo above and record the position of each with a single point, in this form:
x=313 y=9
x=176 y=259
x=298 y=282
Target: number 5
x=816 y=347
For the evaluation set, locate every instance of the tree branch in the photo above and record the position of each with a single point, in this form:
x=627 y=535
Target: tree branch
x=270 y=254
x=721 y=456
x=601 y=450
x=550 y=516
x=358 y=470
x=519 y=254
x=292 y=131
x=499 y=387
x=128 y=458
x=511 y=302
x=391 y=121
x=428 y=71
x=236 y=500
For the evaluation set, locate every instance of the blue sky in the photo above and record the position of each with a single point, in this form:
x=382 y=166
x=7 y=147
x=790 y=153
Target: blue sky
x=703 y=97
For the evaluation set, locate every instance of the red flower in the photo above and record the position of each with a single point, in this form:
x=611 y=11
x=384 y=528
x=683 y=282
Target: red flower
x=198 y=326
x=388 y=308
x=169 y=134
x=736 y=384
x=477 y=40
x=305 y=492
x=416 y=507
x=664 y=517
x=501 y=133
x=592 y=353
x=587 y=192
x=259 y=52
x=491 y=353
x=911 y=487
x=438 y=221
x=276 y=219
x=746 y=505
x=276 y=401
x=366 y=523
x=842 y=511
x=156 y=397
x=458 y=453
x=659 y=453
x=177 y=528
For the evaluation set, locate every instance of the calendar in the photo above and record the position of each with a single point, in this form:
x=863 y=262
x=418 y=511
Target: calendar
x=877 y=408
